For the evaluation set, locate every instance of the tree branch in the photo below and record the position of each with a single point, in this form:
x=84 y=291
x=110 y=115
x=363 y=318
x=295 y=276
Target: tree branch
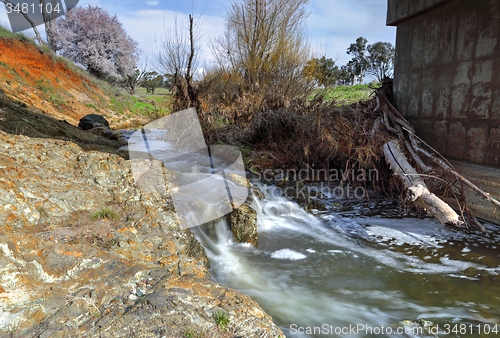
x=37 y=33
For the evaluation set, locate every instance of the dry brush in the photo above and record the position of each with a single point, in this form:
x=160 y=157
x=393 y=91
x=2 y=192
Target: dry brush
x=370 y=134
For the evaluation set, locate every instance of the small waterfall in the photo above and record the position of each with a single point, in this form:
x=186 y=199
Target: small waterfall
x=309 y=271
x=362 y=262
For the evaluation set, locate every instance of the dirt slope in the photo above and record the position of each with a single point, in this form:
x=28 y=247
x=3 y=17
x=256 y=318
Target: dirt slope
x=39 y=80
x=49 y=86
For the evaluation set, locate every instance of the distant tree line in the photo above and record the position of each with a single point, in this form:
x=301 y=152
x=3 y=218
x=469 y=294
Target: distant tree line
x=376 y=59
x=262 y=58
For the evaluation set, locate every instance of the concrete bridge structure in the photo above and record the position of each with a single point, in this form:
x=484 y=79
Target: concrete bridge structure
x=447 y=74
x=447 y=83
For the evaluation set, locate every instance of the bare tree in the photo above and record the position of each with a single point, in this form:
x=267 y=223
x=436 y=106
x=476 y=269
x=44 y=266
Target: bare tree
x=48 y=19
x=264 y=43
x=177 y=55
x=132 y=81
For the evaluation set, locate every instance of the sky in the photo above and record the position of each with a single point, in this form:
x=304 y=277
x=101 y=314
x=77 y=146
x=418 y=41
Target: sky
x=332 y=25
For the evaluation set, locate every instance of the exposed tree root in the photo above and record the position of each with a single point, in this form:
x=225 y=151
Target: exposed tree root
x=417 y=190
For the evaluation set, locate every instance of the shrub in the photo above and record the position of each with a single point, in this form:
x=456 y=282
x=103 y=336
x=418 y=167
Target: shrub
x=105 y=213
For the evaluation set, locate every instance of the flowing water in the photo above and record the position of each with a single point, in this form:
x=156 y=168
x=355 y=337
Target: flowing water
x=363 y=264
x=359 y=269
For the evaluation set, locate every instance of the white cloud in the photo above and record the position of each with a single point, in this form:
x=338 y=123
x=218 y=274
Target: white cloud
x=153 y=3
x=147 y=27
x=335 y=24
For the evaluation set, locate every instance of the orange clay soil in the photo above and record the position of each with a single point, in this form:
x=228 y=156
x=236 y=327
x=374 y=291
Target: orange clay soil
x=37 y=79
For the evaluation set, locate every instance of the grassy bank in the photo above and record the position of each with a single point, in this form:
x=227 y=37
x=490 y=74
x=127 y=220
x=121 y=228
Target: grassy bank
x=346 y=94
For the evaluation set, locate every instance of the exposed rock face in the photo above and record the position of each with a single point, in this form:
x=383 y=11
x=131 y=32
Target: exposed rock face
x=88 y=121
x=17 y=118
x=69 y=269
x=243 y=221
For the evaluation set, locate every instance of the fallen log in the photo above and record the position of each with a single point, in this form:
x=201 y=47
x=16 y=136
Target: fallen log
x=417 y=190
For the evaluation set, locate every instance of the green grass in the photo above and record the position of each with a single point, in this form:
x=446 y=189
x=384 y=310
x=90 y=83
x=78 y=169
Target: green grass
x=190 y=333
x=5 y=33
x=41 y=210
x=45 y=86
x=142 y=93
x=346 y=94
x=105 y=213
x=221 y=319
x=90 y=105
x=142 y=106
x=57 y=99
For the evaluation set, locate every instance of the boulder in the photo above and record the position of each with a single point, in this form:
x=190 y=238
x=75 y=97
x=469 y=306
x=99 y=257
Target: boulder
x=87 y=122
x=243 y=223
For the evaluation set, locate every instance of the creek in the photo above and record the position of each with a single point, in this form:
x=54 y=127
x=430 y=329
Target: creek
x=364 y=263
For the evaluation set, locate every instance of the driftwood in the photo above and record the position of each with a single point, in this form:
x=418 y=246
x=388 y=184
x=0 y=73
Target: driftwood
x=417 y=192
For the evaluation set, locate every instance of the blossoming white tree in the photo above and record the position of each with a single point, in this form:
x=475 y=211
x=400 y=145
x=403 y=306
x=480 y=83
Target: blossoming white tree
x=92 y=37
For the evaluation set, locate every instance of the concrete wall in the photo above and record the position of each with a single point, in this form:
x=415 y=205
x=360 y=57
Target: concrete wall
x=399 y=10
x=447 y=74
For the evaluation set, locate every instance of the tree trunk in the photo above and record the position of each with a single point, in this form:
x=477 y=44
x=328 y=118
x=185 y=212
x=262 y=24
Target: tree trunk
x=416 y=188
x=37 y=33
x=48 y=19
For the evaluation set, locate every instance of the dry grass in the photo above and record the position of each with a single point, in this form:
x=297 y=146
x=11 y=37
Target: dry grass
x=301 y=133
x=307 y=133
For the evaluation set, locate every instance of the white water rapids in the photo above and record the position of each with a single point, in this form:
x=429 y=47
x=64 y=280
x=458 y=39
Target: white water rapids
x=362 y=262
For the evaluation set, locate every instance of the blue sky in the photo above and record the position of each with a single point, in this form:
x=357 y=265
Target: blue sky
x=332 y=24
